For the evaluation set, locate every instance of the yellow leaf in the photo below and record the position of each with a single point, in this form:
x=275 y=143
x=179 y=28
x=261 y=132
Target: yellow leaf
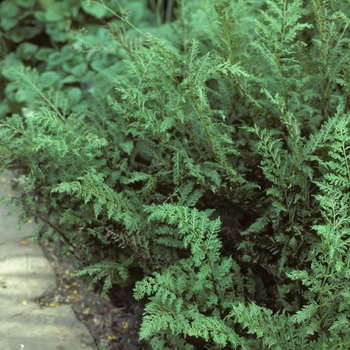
x=1 y=278
x=86 y=311
x=24 y=302
x=112 y=337
x=125 y=325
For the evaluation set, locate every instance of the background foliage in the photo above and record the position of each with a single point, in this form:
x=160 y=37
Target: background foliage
x=200 y=157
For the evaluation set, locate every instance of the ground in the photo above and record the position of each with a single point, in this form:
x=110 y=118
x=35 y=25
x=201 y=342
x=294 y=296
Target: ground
x=113 y=321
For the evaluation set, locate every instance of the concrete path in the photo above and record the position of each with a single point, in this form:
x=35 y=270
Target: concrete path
x=26 y=275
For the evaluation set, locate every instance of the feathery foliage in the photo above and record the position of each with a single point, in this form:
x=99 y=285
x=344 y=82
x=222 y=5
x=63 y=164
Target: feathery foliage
x=204 y=161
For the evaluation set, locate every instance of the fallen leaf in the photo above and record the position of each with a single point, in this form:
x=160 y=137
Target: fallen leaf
x=24 y=302
x=112 y=338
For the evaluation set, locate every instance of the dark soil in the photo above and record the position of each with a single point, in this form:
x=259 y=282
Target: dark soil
x=113 y=321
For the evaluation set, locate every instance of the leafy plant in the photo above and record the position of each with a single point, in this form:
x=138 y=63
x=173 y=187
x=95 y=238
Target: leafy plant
x=208 y=168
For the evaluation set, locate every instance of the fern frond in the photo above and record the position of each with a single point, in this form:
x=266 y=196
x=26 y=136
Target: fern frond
x=92 y=188
x=276 y=331
x=109 y=271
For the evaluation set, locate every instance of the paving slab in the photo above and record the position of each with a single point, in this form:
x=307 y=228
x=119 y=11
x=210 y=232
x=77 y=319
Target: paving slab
x=26 y=275
x=30 y=327
x=25 y=271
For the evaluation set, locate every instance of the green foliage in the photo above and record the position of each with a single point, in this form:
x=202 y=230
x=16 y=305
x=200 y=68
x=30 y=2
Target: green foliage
x=191 y=297
x=51 y=36
x=202 y=160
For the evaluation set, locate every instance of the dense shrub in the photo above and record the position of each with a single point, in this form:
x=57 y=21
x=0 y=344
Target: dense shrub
x=205 y=163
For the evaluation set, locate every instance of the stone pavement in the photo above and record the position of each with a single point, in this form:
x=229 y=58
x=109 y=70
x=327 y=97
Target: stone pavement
x=26 y=275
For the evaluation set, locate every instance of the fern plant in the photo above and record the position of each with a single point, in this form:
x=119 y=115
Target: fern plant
x=192 y=297
x=197 y=169
x=329 y=258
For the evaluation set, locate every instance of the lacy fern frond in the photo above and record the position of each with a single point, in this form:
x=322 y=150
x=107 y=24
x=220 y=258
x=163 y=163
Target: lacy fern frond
x=328 y=280
x=91 y=188
x=108 y=271
x=203 y=283
x=276 y=331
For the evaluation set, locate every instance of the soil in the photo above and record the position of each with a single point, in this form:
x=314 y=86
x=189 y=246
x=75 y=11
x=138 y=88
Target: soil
x=113 y=321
